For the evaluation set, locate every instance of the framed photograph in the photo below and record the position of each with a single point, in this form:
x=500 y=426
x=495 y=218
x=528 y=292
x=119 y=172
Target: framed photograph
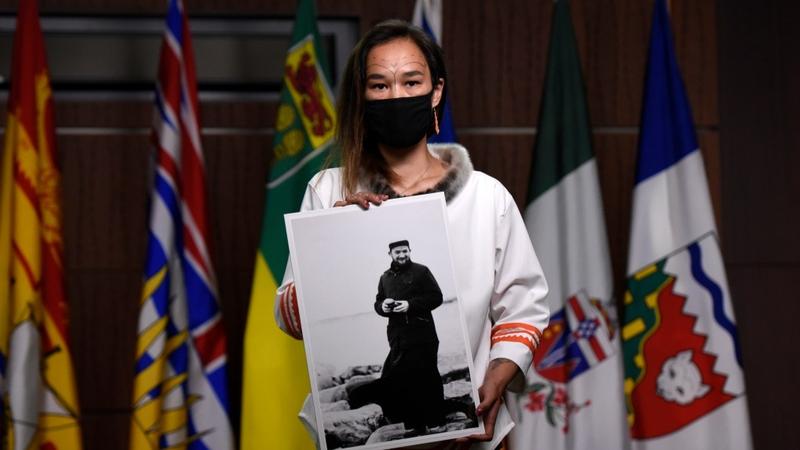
x=384 y=333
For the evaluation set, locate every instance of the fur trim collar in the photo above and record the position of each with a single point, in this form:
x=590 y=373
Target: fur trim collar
x=459 y=171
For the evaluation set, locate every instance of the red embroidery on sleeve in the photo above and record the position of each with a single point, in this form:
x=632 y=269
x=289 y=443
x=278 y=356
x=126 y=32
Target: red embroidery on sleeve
x=289 y=312
x=519 y=332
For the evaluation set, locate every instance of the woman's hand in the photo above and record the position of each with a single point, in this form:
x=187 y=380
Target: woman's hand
x=501 y=371
x=362 y=199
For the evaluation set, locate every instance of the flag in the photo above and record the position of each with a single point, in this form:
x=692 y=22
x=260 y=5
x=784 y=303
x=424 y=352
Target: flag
x=275 y=374
x=573 y=398
x=684 y=381
x=428 y=16
x=37 y=387
x=180 y=395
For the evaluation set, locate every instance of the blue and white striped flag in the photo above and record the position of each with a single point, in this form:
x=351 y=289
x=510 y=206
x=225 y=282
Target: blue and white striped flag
x=684 y=381
x=180 y=395
x=428 y=16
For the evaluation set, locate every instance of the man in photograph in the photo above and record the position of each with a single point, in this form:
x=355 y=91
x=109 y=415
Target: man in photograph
x=410 y=382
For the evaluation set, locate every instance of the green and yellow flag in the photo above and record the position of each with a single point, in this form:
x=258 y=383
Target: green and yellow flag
x=275 y=375
x=38 y=399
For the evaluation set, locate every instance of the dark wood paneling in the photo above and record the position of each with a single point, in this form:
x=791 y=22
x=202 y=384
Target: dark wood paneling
x=505 y=157
x=497 y=54
x=239 y=114
x=616 y=165
x=105 y=200
x=766 y=303
x=759 y=48
x=104 y=306
x=694 y=26
x=236 y=168
x=709 y=145
x=138 y=114
x=499 y=51
x=368 y=12
x=612 y=39
x=105 y=204
x=234 y=291
x=105 y=430
x=759 y=90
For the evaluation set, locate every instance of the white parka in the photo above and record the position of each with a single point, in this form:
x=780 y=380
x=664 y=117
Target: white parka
x=500 y=283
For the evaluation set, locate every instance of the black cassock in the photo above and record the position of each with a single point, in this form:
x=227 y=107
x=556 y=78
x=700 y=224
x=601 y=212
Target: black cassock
x=410 y=387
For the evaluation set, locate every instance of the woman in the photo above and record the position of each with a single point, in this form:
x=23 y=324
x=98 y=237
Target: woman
x=392 y=97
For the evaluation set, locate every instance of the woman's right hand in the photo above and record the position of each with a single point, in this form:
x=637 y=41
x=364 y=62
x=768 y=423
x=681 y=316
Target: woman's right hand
x=362 y=199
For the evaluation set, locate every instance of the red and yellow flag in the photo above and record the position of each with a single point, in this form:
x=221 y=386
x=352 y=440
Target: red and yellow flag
x=39 y=399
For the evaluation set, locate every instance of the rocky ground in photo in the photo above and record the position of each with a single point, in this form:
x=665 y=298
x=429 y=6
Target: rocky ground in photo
x=345 y=427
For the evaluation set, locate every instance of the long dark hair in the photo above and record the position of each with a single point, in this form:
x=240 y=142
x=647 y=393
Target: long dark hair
x=355 y=151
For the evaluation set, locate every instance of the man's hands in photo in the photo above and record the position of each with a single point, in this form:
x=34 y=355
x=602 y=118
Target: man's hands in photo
x=400 y=306
x=387 y=305
x=395 y=306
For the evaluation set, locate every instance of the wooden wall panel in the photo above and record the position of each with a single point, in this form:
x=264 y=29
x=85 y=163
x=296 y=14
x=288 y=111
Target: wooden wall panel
x=237 y=169
x=695 y=31
x=767 y=306
x=616 y=164
x=136 y=116
x=496 y=54
x=759 y=130
x=498 y=50
x=505 y=157
x=104 y=309
x=242 y=7
x=709 y=145
x=368 y=11
x=107 y=430
x=612 y=39
x=495 y=57
x=105 y=200
x=105 y=221
x=759 y=60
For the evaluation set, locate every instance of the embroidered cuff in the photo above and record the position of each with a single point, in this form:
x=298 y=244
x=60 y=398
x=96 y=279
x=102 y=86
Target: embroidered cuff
x=522 y=333
x=515 y=341
x=290 y=315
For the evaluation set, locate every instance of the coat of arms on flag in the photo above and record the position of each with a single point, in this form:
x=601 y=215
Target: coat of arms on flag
x=679 y=368
x=579 y=336
x=180 y=392
x=684 y=382
x=38 y=397
x=574 y=397
x=304 y=131
x=305 y=81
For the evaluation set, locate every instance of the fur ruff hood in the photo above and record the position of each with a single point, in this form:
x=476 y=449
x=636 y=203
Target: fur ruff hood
x=458 y=172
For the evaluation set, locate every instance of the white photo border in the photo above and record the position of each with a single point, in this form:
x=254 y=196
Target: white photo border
x=310 y=360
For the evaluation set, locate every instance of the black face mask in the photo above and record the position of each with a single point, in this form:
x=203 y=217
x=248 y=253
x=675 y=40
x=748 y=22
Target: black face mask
x=399 y=122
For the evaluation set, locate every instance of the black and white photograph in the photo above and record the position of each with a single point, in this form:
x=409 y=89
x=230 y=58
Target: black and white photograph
x=385 y=336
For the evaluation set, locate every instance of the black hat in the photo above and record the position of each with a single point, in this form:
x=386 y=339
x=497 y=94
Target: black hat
x=398 y=244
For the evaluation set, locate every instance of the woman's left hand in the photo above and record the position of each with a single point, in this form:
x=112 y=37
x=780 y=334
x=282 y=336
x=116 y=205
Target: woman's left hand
x=500 y=373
